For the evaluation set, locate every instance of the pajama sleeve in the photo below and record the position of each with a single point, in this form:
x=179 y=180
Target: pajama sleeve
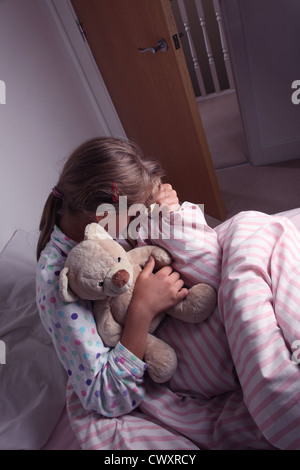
x=107 y=381
x=190 y=241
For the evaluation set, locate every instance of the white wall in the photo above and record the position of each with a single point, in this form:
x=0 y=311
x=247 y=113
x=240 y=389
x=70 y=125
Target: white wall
x=48 y=111
x=264 y=38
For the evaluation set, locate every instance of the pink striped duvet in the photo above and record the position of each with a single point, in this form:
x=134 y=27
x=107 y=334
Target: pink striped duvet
x=238 y=380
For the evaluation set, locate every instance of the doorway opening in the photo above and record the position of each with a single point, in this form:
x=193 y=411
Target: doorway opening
x=204 y=43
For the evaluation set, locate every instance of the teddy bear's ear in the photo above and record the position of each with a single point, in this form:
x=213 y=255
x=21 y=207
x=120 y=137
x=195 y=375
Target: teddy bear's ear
x=65 y=292
x=96 y=232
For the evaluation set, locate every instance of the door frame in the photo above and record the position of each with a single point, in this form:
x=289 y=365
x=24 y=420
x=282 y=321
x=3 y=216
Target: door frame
x=88 y=72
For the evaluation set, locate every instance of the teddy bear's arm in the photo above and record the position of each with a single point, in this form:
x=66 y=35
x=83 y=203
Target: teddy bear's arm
x=197 y=306
x=109 y=330
x=141 y=255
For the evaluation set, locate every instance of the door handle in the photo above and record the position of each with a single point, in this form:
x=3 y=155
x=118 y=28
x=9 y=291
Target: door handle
x=161 y=46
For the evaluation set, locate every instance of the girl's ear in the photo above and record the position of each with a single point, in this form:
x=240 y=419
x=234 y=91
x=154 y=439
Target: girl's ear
x=65 y=292
x=96 y=232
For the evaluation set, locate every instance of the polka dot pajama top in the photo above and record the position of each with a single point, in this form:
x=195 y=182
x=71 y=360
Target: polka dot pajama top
x=107 y=381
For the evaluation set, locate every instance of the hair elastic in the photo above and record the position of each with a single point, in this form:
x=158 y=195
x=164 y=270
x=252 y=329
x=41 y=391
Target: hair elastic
x=56 y=193
x=115 y=193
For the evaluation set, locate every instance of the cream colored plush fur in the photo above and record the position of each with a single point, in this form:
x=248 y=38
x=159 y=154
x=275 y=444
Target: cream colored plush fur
x=99 y=269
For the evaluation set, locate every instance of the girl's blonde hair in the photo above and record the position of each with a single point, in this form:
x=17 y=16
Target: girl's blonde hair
x=87 y=179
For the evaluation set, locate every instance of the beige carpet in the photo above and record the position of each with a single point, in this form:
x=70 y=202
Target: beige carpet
x=224 y=130
x=270 y=189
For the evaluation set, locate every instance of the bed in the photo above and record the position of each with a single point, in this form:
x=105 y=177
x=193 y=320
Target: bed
x=32 y=382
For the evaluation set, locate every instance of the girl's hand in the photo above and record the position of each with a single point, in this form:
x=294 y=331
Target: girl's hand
x=153 y=293
x=167 y=196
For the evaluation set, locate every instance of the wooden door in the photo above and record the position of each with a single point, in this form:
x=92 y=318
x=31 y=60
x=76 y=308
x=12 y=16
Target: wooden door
x=152 y=93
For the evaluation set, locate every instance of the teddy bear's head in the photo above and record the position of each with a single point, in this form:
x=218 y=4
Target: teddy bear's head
x=96 y=268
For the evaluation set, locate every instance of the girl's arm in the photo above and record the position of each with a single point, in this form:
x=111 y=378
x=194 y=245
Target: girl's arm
x=107 y=381
x=184 y=233
x=153 y=293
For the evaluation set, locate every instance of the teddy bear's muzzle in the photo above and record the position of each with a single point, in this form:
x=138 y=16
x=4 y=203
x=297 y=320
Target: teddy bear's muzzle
x=120 y=278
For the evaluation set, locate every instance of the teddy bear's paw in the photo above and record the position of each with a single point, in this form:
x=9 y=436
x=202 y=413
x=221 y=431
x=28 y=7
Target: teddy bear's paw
x=161 y=256
x=161 y=360
x=197 y=306
x=109 y=330
x=110 y=338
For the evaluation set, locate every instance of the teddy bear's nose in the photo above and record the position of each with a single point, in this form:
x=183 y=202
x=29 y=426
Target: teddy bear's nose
x=120 y=278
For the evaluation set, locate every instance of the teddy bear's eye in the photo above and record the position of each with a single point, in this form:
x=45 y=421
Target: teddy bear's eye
x=119 y=259
x=100 y=284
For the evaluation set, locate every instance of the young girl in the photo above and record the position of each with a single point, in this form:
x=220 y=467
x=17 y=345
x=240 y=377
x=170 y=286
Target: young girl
x=237 y=381
x=107 y=381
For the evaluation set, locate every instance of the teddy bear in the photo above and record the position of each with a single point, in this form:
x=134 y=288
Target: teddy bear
x=100 y=270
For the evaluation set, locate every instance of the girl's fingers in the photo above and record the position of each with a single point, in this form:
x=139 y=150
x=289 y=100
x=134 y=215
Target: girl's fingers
x=149 y=266
x=164 y=192
x=182 y=294
x=167 y=196
x=174 y=276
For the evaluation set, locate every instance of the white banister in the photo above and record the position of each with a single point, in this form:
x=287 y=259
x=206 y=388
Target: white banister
x=195 y=59
x=210 y=56
x=226 y=57
x=204 y=30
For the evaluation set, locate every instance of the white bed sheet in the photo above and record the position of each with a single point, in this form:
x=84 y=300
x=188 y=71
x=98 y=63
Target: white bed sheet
x=32 y=381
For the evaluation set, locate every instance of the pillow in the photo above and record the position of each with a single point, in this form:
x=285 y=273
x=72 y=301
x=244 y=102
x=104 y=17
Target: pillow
x=32 y=381
x=293 y=215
